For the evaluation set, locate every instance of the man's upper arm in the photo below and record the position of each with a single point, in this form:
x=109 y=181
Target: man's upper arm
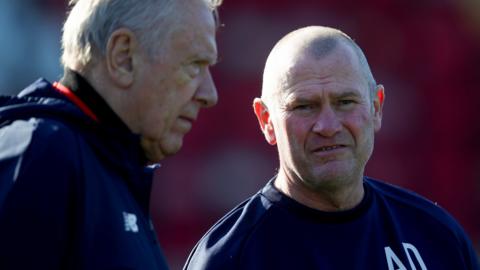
x=38 y=166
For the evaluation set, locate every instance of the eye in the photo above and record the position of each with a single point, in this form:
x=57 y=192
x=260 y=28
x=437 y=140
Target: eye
x=303 y=107
x=346 y=102
x=193 y=69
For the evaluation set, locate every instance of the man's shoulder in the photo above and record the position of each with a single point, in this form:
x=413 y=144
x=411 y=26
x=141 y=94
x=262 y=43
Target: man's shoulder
x=420 y=218
x=411 y=204
x=38 y=122
x=19 y=135
x=220 y=247
x=38 y=144
x=401 y=195
x=38 y=162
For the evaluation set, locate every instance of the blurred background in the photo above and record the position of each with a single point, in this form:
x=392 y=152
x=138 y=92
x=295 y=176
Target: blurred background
x=425 y=52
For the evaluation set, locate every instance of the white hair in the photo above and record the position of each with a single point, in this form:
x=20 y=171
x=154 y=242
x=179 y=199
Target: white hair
x=91 y=22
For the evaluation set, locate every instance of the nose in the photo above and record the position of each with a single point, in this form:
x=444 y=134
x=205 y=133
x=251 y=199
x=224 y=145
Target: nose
x=207 y=92
x=327 y=123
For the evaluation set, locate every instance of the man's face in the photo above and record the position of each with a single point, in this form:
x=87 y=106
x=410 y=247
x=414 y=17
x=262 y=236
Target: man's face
x=324 y=120
x=177 y=85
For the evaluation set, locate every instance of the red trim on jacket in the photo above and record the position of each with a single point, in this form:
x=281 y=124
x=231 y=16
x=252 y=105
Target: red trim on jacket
x=78 y=102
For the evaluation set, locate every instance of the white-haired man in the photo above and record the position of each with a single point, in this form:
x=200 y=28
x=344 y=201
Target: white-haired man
x=74 y=189
x=321 y=106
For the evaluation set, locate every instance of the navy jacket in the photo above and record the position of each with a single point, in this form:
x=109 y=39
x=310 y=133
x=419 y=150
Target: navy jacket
x=74 y=191
x=390 y=229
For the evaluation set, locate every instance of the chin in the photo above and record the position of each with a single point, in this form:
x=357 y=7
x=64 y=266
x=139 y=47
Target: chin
x=157 y=150
x=173 y=146
x=329 y=182
x=334 y=176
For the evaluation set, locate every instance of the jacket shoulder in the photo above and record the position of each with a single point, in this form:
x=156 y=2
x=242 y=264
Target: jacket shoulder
x=44 y=145
x=222 y=245
x=418 y=207
x=411 y=201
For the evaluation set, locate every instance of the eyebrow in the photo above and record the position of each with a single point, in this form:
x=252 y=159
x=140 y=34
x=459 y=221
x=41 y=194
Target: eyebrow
x=345 y=94
x=348 y=93
x=205 y=59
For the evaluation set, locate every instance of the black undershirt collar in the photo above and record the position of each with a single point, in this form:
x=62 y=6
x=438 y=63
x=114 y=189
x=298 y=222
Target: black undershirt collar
x=277 y=197
x=86 y=93
x=107 y=118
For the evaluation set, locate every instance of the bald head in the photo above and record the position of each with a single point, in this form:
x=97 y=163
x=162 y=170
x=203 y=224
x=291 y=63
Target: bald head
x=315 y=42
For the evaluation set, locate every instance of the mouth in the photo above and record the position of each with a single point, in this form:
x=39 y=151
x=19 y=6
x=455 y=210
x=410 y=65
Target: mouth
x=188 y=118
x=185 y=123
x=329 y=148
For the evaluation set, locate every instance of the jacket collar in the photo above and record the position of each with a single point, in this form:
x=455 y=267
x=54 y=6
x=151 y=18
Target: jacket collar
x=84 y=91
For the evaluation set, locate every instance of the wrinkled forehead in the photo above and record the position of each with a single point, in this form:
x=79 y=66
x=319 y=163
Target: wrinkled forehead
x=331 y=59
x=320 y=60
x=196 y=12
x=195 y=30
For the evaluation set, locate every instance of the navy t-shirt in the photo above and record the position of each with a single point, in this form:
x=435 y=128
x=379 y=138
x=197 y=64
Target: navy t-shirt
x=391 y=228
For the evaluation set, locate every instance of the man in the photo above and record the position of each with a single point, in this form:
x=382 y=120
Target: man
x=321 y=106
x=74 y=189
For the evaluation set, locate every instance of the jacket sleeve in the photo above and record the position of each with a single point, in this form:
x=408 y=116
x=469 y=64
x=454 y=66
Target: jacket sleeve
x=37 y=170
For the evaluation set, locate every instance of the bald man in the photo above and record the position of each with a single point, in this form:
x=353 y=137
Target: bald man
x=321 y=107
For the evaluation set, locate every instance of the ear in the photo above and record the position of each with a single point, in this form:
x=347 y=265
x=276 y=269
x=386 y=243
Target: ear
x=121 y=47
x=378 y=106
x=263 y=116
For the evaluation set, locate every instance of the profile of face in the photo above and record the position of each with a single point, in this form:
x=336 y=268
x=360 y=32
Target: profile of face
x=322 y=117
x=176 y=86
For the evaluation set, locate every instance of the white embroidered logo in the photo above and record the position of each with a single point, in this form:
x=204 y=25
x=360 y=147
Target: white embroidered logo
x=394 y=262
x=130 y=221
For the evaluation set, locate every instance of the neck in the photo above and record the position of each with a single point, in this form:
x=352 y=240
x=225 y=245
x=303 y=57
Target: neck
x=329 y=197
x=117 y=99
